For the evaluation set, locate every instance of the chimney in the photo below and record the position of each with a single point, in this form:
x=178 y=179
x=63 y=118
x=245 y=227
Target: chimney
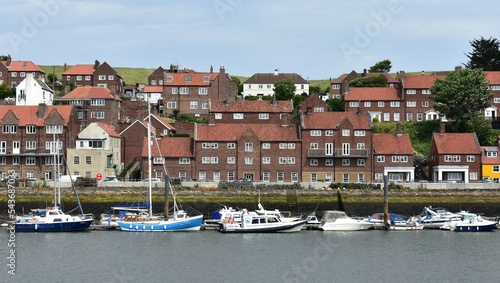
x=441 y=129
x=222 y=70
x=458 y=68
x=360 y=110
x=285 y=120
x=364 y=72
x=226 y=102
x=96 y=64
x=273 y=101
x=423 y=73
x=9 y=60
x=211 y=69
x=399 y=129
x=65 y=67
x=276 y=72
x=42 y=108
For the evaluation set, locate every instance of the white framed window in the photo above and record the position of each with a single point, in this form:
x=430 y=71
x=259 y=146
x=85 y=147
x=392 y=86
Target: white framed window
x=78 y=78
x=97 y=115
x=266 y=160
x=31 y=129
x=395 y=177
x=380 y=158
x=248 y=160
x=380 y=104
x=454 y=176
x=15 y=160
x=218 y=116
x=425 y=103
x=30 y=144
x=396 y=117
x=266 y=145
x=98 y=102
x=313 y=145
x=248 y=147
x=193 y=104
x=426 y=91
x=346 y=133
x=237 y=116
x=291 y=146
x=111 y=77
x=171 y=104
x=394 y=103
x=184 y=160
x=280 y=176
x=230 y=176
x=202 y=175
x=411 y=104
x=345 y=178
x=30 y=160
x=282 y=160
x=170 y=78
x=328 y=162
x=205 y=160
x=283 y=145
x=473 y=175
x=314 y=177
x=231 y=160
x=456 y=158
x=387 y=117
x=294 y=176
x=368 y=104
x=315 y=133
x=411 y=91
x=496 y=99
x=319 y=109
x=360 y=145
x=353 y=104
x=420 y=116
x=409 y=116
x=470 y=158
x=183 y=90
x=158 y=160
x=361 y=178
x=101 y=77
x=491 y=153
x=313 y=162
x=346 y=162
x=202 y=91
x=395 y=158
x=359 y=133
x=87 y=78
x=53 y=129
x=447 y=158
x=263 y=116
x=291 y=160
x=265 y=177
x=214 y=160
x=175 y=91
x=231 y=145
x=204 y=105
x=328 y=133
x=379 y=176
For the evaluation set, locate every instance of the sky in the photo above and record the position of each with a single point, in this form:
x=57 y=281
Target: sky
x=318 y=39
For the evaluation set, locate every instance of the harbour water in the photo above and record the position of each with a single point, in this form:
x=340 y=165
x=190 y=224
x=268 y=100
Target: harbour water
x=208 y=256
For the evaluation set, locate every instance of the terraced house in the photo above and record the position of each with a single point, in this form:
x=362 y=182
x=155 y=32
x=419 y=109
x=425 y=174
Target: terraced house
x=14 y=72
x=97 y=74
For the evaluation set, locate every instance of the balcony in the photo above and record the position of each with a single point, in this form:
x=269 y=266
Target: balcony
x=338 y=153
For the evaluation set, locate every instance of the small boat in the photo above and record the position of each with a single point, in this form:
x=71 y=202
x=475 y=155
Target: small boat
x=470 y=222
x=410 y=224
x=335 y=220
x=377 y=219
x=435 y=218
x=253 y=222
x=222 y=216
x=52 y=219
x=119 y=212
x=277 y=212
x=312 y=222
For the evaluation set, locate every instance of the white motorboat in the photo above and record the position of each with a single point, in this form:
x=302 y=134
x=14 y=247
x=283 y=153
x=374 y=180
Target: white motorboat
x=335 y=220
x=312 y=222
x=470 y=222
x=253 y=222
x=435 y=218
x=277 y=213
x=223 y=215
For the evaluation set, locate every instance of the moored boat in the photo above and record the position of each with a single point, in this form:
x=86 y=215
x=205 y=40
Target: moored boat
x=222 y=215
x=53 y=219
x=435 y=218
x=470 y=222
x=312 y=222
x=335 y=220
x=253 y=222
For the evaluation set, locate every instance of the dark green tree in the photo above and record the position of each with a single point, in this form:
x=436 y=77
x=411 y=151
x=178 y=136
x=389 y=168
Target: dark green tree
x=284 y=89
x=486 y=135
x=52 y=78
x=297 y=100
x=485 y=54
x=5 y=91
x=383 y=66
x=315 y=89
x=375 y=81
x=336 y=104
x=238 y=83
x=461 y=95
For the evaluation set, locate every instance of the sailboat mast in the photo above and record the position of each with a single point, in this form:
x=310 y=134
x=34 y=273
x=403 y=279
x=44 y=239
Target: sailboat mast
x=149 y=158
x=58 y=173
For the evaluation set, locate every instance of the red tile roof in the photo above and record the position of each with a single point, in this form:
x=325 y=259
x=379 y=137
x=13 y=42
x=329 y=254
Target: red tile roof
x=493 y=77
x=169 y=147
x=179 y=79
x=80 y=69
x=89 y=92
x=456 y=143
x=330 y=120
x=390 y=79
x=490 y=160
x=262 y=106
x=153 y=88
x=372 y=94
x=231 y=132
x=23 y=66
x=108 y=129
x=421 y=82
x=392 y=144
x=28 y=115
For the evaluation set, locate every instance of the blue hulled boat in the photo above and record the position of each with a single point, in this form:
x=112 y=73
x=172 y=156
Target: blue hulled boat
x=53 y=219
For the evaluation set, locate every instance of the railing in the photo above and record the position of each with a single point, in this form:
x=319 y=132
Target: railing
x=338 y=153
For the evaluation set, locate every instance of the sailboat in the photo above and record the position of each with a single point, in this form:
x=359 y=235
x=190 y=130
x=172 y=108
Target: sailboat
x=178 y=221
x=53 y=219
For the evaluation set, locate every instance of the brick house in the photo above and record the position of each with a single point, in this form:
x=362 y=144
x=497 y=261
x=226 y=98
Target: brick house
x=170 y=156
x=493 y=79
x=132 y=144
x=94 y=104
x=454 y=157
x=29 y=135
x=265 y=152
x=381 y=103
x=313 y=103
x=14 y=72
x=415 y=92
x=340 y=86
x=97 y=150
x=98 y=75
x=251 y=112
x=393 y=156
x=262 y=84
x=336 y=147
x=190 y=92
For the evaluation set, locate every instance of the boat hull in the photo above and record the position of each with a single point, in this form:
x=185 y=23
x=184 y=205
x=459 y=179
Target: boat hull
x=69 y=226
x=284 y=227
x=474 y=228
x=186 y=224
x=346 y=227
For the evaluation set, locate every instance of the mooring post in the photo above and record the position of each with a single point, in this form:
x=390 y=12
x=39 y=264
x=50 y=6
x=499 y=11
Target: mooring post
x=386 y=200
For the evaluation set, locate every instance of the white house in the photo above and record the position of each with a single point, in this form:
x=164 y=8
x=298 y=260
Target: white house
x=261 y=84
x=98 y=150
x=32 y=91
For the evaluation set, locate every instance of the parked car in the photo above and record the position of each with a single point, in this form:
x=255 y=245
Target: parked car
x=110 y=179
x=185 y=179
x=153 y=180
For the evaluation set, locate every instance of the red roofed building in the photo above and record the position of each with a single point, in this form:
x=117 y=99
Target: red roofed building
x=95 y=104
x=260 y=152
x=313 y=103
x=381 y=103
x=340 y=86
x=99 y=75
x=393 y=156
x=27 y=143
x=336 y=147
x=454 y=157
x=493 y=79
x=14 y=72
x=190 y=92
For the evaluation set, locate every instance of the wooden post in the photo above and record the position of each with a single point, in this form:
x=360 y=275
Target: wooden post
x=167 y=187
x=386 y=201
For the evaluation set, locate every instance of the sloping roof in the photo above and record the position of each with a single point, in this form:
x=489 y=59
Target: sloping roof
x=231 y=132
x=28 y=115
x=108 y=129
x=153 y=88
x=159 y=119
x=80 y=69
x=179 y=79
x=421 y=82
x=489 y=160
x=169 y=147
x=261 y=106
x=392 y=144
x=90 y=92
x=456 y=143
x=330 y=120
x=493 y=77
x=390 y=79
x=371 y=94
x=23 y=66
x=271 y=78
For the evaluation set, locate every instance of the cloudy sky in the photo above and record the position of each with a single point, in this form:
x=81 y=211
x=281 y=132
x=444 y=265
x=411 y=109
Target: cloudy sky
x=318 y=39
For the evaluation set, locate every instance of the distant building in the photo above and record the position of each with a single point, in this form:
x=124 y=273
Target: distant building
x=33 y=91
x=262 y=84
x=13 y=72
x=98 y=75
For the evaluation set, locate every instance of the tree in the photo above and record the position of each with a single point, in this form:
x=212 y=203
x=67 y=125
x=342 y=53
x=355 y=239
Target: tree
x=485 y=54
x=284 y=89
x=315 y=89
x=51 y=78
x=336 y=104
x=383 y=66
x=461 y=96
x=375 y=81
x=238 y=83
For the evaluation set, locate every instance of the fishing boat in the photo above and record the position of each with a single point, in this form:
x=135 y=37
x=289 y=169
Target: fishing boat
x=252 y=222
x=178 y=221
x=52 y=218
x=335 y=220
x=470 y=222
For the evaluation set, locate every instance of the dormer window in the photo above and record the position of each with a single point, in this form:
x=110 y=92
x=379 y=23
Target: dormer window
x=189 y=79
